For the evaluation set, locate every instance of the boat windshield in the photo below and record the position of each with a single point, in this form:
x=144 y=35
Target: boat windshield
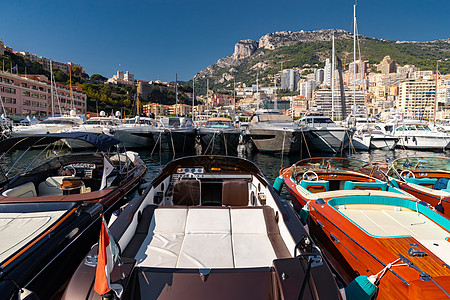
x=218 y=124
x=422 y=163
x=60 y=122
x=273 y=117
x=341 y=164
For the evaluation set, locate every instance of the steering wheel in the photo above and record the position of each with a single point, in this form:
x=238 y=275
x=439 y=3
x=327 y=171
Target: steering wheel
x=310 y=176
x=407 y=174
x=69 y=168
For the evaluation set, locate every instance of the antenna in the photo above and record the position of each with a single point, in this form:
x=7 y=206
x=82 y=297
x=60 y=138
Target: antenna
x=332 y=79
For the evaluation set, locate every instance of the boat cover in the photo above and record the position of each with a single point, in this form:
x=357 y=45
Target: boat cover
x=99 y=140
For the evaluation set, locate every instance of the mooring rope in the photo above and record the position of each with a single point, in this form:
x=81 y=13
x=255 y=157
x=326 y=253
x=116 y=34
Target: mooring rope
x=306 y=143
x=282 y=148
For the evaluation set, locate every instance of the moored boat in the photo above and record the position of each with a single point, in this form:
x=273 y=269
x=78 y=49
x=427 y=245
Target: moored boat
x=369 y=227
x=176 y=134
x=272 y=131
x=75 y=176
x=136 y=132
x=209 y=227
x=427 y=178
x=219 y=136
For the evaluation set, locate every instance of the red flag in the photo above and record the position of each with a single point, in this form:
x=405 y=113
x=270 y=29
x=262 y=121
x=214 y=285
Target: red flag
x=107 y=256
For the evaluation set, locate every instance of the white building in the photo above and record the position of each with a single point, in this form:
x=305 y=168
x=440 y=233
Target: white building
x=322 y=98
x=327 y=72
x=306 y=89
x=122 y=78
x=319 y=76
x=290 y=79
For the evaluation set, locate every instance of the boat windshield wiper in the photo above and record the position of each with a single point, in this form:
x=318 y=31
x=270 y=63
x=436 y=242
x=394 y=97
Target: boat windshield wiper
x=423 y=275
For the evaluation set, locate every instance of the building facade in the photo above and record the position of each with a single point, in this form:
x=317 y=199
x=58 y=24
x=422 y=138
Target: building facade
x=417 y=98
x=290 y=79
x=323 y=101
x=23 y=97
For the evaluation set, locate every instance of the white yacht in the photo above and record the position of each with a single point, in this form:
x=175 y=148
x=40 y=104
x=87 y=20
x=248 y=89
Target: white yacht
x=49 y=125
x=325 y=135
x=136 y=132
x=415 y=134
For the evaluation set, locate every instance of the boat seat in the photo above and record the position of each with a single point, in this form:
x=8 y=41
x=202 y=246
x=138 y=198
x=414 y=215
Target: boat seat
x=51 y=186
x=427 y=182
x=442 y=184
x=235 y=193
x=186 y=192
x=317 y=186
x=212 y=237
x=23 y=190
x=366 y=185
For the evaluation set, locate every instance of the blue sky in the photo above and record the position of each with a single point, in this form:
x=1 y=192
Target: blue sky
x=154 y=39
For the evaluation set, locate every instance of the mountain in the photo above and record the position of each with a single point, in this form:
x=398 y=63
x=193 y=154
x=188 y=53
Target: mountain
x=311 y=48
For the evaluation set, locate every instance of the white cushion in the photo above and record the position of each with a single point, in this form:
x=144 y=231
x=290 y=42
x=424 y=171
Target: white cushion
x=50 y=187
x=204 y=220
x=169 y=220
x=160 y=250
x=440 y=248
x=205 y=250
x=23 y=190
x=252 y=250
x=248 y=221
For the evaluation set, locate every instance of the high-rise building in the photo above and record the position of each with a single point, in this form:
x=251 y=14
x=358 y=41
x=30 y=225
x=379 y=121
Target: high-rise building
x=417 y=98
x=387 y=65
x=290 y=79
x=318 y=76
x=306 y=89
x=327 y=72
x=322 y=98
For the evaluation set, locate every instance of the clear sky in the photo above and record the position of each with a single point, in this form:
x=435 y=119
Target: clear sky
x=154 y=39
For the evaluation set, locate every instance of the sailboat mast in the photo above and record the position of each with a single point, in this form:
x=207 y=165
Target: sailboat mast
x=51 y=88
x=354 y=59
x=332 y=79
x=71 y=94
x=435 y=93
x=193 y=97
x=257 y=91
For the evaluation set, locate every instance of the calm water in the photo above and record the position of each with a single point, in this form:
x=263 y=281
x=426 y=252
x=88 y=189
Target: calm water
x=270 y=164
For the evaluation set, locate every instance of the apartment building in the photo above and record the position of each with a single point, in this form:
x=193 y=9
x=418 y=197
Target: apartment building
x=323 y=101
x=417 y=98
x=24 y=96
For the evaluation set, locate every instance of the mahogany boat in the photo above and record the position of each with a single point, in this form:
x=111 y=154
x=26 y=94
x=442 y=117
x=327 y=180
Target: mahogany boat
x=368 y=227
x=210 y=227
x=427 y=178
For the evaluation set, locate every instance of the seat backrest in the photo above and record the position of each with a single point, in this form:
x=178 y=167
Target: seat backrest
x=317 y=186
x=186 y=192
x=23 y=190
x=51 y=186
x=235 y=193
x=366 y=185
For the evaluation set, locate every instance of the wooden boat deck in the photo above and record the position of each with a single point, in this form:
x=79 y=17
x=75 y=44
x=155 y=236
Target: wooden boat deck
x=385 y=221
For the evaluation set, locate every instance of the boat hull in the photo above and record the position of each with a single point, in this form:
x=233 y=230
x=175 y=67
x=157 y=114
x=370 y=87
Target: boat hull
x=330 y=140
x=266 y=140
x=219 y=141
x=423 y=142
x=383 y=143
x=175 y=140
x=135 y=138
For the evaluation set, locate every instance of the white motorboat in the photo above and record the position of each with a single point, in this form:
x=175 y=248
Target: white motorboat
x=136 y=132
x=325 y=135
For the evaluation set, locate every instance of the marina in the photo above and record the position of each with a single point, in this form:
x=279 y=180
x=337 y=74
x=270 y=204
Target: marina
x=184 y=150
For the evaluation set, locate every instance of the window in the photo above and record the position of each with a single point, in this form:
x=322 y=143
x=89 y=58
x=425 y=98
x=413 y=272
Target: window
x=9 y=100
x=35 y=104
x=43 y=105
x=24 y=84
x=26 y=93
x=26 y=102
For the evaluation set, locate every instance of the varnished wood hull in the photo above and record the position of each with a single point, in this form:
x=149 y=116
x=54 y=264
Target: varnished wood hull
x=353 y=252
